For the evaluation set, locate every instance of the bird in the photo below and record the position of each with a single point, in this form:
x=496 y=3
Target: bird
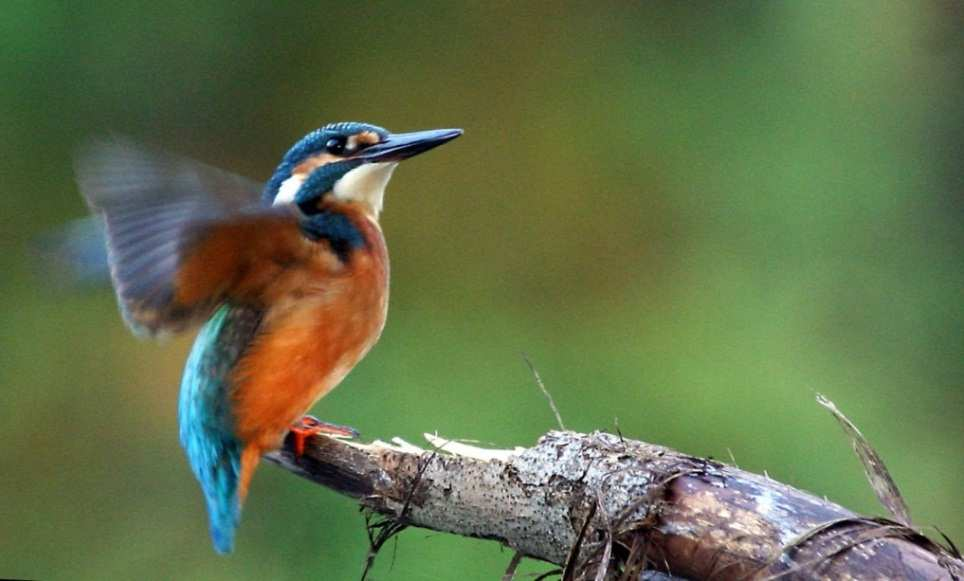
x=288 y=281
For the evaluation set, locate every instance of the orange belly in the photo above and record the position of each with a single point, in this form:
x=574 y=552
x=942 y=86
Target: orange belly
x=308 y=343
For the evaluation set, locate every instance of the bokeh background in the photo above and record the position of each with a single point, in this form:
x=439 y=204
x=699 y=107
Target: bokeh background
x=691 y=217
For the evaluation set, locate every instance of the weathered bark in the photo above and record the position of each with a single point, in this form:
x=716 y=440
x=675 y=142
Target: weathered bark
x=607 y=508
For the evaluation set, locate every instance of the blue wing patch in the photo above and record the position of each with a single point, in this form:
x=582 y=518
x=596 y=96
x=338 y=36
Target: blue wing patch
x=74 y=254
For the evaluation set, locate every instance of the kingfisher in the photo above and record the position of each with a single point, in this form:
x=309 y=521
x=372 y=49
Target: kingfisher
x=289 y=282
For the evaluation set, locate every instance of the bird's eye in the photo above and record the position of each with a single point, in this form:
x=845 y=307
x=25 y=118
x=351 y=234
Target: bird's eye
x=335 y=145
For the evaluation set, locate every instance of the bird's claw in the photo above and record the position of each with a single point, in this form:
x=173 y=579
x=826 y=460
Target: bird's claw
x=310 y=426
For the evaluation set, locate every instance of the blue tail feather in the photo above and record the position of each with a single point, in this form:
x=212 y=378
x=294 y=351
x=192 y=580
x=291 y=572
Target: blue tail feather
x=206 y=423
x=220 y=487
x=216 y=463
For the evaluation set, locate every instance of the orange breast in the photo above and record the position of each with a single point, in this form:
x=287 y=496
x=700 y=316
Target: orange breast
x=320 y=322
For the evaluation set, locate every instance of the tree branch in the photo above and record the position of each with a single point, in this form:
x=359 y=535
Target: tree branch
x=602 y=507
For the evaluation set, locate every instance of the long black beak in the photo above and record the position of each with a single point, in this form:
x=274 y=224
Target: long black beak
x=401 y=146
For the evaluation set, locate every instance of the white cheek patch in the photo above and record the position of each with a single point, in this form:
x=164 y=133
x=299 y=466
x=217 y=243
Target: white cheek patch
x=288 y=189
x=366 y=183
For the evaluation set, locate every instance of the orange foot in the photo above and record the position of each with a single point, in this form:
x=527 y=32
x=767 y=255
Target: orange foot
x=310 y=426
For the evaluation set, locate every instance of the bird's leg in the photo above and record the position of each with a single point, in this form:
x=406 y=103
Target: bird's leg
x=310 y=426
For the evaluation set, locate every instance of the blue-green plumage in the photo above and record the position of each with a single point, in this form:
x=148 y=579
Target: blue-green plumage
x=205 y=420
x=342 y=235
x=320 y=181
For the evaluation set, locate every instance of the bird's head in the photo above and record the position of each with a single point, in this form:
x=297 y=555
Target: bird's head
x=350 y=161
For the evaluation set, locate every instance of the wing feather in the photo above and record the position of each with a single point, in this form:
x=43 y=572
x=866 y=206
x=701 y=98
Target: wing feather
x=160 y=212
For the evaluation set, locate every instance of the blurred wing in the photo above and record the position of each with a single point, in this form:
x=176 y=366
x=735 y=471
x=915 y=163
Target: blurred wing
x=120 y=170
x=73 y=255
x=165 y=216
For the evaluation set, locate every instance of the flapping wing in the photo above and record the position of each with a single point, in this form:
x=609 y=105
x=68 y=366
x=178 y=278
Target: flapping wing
x=118 y=169
x=179 y=233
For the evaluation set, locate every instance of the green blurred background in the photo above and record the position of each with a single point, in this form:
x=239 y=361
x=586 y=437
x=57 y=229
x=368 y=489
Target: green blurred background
x=691 y=217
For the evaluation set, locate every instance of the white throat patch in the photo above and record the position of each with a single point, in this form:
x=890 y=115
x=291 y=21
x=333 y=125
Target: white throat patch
x=366 y=183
